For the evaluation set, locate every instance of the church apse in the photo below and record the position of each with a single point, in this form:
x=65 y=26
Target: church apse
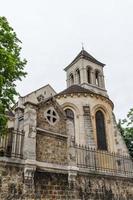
x=66 y=145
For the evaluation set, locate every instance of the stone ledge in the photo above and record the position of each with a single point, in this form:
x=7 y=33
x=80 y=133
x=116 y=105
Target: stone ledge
x=11 y=161
x=51 y=133
x=106 y=174
x=50 y=167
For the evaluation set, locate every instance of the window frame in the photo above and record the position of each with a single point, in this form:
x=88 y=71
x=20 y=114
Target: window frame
x=101 y=143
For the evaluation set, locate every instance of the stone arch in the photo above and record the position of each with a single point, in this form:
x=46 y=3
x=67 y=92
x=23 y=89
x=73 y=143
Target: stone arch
x=72 y=107
x=89 y=74
x=103 y=109
x=78 y=76
x=70 y=122
x=97 y=77
x=71 y=79
x=107 y=119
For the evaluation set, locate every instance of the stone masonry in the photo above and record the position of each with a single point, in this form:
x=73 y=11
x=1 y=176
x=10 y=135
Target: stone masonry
x=66 y=145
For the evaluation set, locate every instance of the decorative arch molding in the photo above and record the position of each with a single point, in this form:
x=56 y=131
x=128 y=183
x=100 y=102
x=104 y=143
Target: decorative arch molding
x=89 y=67
x=107 y=119
x=71 y=78
x=78 y=75
x=103 y=109
x=76 y=69
x=71 y=106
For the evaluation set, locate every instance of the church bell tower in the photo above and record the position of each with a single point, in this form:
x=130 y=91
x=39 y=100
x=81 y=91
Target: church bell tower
x=87 y=72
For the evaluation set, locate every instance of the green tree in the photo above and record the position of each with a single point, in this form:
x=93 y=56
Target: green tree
x=11 y=69
x=126 y=128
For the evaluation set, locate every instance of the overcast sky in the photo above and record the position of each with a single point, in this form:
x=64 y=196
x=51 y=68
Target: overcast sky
x=52 y=32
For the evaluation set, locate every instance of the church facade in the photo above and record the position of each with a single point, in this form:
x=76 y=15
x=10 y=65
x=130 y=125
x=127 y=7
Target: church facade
x=66 y=145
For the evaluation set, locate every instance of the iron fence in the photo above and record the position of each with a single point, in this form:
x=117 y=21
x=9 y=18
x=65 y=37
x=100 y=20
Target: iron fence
x=103 y=162
x=11 y=144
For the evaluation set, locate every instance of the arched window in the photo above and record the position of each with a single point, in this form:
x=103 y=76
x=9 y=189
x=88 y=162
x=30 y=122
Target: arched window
x=69 y=114
x=78 y=76
x=89 y=75
x=97 y=78
x=71 y=79
x=100 y=129
x=70 y=124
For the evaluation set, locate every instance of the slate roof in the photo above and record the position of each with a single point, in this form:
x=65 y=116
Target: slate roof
x=84 y=54
x=75 y=89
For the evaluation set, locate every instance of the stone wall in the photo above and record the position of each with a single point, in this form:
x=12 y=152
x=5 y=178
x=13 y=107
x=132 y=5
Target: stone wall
x=11 y=182
x=55 y=186
x=92 y=187
x=51 y=186
x=51 y=149
x=59 y=126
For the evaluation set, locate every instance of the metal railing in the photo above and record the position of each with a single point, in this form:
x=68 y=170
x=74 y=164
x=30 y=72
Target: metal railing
x=11 y=144
x=103 y=162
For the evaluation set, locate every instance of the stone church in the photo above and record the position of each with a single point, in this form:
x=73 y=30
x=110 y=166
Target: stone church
x=66 y=145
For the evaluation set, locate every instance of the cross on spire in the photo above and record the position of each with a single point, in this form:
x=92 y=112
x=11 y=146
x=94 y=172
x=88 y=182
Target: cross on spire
x=82 y=46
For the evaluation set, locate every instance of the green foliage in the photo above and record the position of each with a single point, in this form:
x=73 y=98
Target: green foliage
x=126 y=128
x=11 y=68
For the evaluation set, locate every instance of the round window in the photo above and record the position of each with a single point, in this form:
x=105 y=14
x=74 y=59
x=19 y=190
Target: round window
x=51 y=116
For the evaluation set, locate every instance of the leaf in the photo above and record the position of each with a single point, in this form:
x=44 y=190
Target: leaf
x=11 y=69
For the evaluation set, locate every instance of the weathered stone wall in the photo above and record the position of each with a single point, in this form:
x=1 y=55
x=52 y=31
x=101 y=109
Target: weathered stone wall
x=60 y=125
x=53 y=186
x=51 y=149
x=11 y=182
x=90 y=187
x=51 y=139
x=50 y=186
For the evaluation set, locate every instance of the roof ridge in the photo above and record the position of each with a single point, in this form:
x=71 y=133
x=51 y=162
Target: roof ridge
x=74 y=89
x=84 y=54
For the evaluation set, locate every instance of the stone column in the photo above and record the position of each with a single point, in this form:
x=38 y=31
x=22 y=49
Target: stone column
x=85 y=79
x=93 y=78
x=81 y=75
x=99 y=80
x=75 y=78
x=29 y=148
x=72 y=165
x=103 y=81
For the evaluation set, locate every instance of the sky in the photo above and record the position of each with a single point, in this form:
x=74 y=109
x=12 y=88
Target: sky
x=52 y=32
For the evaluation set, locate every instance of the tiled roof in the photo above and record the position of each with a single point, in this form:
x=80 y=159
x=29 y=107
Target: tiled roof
x=84 y=54
x=74 y=89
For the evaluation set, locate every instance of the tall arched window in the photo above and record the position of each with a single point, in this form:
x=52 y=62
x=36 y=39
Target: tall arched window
x=89 y=75
x=100 y=129
x=69 y=114
x=71 y=79
x=78 y=76
x=70 y=124
x=97 y=78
